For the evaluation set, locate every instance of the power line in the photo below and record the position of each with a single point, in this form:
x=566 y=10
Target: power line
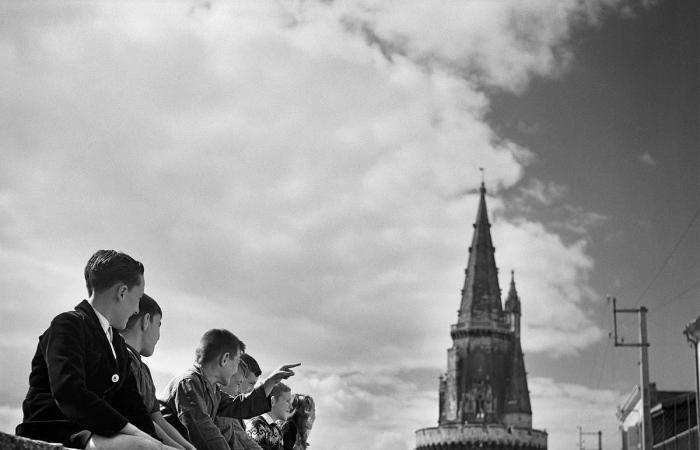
x=679 y=295
x=675 y=247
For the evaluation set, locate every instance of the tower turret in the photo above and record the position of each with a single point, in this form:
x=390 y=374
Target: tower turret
x=512 y=306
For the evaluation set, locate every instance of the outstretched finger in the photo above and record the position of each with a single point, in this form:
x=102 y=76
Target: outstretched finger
x=290 y=366
x=288 y=373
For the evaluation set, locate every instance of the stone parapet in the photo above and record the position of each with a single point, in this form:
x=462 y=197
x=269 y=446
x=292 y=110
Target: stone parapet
x=11 y=442
x=480 y=436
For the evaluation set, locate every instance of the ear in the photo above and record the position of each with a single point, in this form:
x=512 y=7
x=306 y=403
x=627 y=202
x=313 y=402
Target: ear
x=122 y=289
x=223 y=360
x=145 y=321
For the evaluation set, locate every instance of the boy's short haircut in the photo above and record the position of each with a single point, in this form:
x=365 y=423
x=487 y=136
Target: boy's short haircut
x=251 y=364
x=215 y=343
x=147 y=305
x=105 y=268
x=278 y=389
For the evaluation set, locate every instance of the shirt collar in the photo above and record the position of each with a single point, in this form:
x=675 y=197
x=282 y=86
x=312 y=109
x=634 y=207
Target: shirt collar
x=268 y=418
x=133 y=351
x=103 y=320
x=197 y=368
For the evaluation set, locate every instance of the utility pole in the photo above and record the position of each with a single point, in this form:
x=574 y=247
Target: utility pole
x=582 y=433
x=643 y=345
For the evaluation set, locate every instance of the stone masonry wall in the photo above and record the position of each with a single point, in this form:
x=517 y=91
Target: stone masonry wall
x=11 y=442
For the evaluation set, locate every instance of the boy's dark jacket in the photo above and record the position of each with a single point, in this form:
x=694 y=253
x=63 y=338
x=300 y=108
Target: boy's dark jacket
x=75 y=383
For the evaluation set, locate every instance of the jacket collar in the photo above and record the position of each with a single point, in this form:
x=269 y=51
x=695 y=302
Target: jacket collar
x=132 y=350
x=196 y=368
x=86 y=308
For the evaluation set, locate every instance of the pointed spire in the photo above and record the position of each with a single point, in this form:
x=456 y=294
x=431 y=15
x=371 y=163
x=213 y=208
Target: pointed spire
x=513 y=301
x=481 y=293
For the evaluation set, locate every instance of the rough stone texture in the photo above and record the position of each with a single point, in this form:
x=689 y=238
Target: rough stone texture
x=478 y=436
x=11 y=442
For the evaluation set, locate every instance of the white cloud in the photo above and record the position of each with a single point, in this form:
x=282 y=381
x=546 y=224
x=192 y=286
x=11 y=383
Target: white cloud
x=544 y=193
x=387 y=408
x=498 y=44
x=552 y=279
x=280 y=177
x=646 y=159
x=561 y=407
x=579 y=221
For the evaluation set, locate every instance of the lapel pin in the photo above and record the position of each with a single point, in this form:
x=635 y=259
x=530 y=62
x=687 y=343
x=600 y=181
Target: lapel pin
x=115 y=378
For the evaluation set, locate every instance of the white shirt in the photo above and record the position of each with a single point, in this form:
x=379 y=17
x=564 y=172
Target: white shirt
x=106 y=327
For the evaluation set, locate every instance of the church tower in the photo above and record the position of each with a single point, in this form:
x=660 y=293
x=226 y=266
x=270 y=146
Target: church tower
x=484 y=398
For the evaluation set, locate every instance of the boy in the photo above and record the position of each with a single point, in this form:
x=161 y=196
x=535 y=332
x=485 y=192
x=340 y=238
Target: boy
x=81 y=391
x=264 y=429
x=242 y=383
x=192 y=401
x=141 y=335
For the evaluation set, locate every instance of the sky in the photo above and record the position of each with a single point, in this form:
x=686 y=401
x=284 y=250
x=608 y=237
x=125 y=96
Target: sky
x=305 y=174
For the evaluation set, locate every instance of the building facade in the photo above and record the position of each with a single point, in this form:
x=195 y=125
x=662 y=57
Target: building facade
x=673 y=420
x=484 y=397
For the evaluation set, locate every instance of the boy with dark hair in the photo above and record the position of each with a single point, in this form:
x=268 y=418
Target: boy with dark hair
x=141 y=335
x=81 y=391
x=264 y=429
x=192 y=401
x=242 y=383
x=249 y=376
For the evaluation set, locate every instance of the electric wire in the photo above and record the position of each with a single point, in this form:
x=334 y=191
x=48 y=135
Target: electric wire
x=668 y=258
x=678 y=296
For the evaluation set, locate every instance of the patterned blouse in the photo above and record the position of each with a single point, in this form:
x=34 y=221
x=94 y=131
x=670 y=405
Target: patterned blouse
x=264 y=431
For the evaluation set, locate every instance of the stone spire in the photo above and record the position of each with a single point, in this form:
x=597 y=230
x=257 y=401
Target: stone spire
x=512 y=307
x=513 y=301
x=517 y=408
x=481 y=294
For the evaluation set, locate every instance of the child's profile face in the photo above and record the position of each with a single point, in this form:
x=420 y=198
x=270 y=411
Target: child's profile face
x=151 y=335
x=281 y=406
x=248 y=383
x=233 y=386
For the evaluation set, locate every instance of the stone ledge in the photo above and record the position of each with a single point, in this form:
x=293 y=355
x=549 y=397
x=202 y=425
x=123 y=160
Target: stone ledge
x=474 y=435
x=11 y=442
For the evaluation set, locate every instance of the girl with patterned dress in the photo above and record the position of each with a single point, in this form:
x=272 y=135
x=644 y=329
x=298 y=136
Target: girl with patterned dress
x=296 y=429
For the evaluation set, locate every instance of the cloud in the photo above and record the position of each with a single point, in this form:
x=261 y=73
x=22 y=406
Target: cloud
x=295 y=172
x=555 y=404
x=386 y=406
x=547 y=203
x=496 y=44
x=552 y=279
x=646 y=159
x=579 y=221
x=544 y=193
